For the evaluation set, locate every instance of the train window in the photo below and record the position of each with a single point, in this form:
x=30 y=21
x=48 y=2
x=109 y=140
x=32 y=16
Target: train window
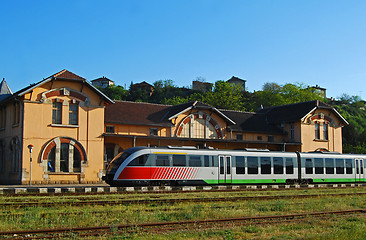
x=179 y=160
x=222 y=167
x=240 y=165
x=206 y=161
x=361 y=165
x=309 y=166
x=162 y=160
x=265 y=165
x=228 y=165
x=319 y=165
x=357 y=168
x=252 y=165
x=139 y=161
x=339 y=166
x=194 y=161
x=215 y=162
x=289 y=166
x=278 y=165
x=329 y=166
x=349 y=167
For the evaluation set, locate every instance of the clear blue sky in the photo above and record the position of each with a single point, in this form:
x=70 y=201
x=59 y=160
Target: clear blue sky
x=313 y=42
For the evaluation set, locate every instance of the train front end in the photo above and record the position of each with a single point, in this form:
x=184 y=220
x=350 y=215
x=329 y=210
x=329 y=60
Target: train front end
x=117 y=165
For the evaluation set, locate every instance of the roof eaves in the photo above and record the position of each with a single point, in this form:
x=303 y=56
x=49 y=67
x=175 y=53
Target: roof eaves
x=98 y=91
x=224 y=116
x=34 y=86
x=181 y=112
x=303 y=118
x=340 y=116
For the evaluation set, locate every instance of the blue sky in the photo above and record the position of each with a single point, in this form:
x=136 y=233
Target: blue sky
x=315 y=42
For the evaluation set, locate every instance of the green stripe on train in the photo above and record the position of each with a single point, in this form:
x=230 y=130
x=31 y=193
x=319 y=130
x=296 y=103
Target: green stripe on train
x=329 y=180
x=272 y=181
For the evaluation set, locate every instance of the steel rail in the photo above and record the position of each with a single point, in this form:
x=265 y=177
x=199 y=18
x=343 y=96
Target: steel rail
x=91 y=231
x=172 y=200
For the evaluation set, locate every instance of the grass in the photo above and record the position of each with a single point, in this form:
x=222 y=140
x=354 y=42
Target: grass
x=71 y=216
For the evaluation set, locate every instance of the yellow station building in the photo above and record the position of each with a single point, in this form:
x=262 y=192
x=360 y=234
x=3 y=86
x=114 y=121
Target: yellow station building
x=75 y=130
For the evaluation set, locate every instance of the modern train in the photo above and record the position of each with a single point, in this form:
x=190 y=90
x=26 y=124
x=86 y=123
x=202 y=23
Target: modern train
x=145 y=166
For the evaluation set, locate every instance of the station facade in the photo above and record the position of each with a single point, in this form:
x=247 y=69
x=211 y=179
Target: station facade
x=74 y=130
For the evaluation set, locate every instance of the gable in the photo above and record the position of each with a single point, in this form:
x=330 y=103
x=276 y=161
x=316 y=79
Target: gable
x=60 y=83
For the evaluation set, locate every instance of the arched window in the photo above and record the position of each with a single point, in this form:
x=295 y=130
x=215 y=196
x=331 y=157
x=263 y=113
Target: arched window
x=64 y=154
x=199 y=125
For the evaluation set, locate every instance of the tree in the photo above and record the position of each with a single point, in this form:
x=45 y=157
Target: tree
x=273 y=94
x=225 y=96
x=115 y=92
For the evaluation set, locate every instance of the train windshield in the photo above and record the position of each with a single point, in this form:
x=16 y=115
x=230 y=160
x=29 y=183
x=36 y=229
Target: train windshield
x=117 y=161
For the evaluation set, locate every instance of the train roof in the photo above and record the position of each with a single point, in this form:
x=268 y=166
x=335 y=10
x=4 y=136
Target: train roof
x=252 y=150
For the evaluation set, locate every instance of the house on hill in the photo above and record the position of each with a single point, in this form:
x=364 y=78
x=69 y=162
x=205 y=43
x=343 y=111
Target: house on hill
x=144 y=86
x=102 y=82
x=237 y=81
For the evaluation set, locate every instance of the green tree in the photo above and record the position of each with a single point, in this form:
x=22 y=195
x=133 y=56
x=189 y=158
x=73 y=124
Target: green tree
x=225 y=96
x=273 y=94
x=353 y=109
x=115 y=92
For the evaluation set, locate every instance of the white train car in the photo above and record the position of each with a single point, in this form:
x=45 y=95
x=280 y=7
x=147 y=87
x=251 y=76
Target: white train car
x=191 y=166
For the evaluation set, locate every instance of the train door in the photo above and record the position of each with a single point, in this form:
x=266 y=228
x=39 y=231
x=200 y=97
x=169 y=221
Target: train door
x=359 y=170
x=225 y=170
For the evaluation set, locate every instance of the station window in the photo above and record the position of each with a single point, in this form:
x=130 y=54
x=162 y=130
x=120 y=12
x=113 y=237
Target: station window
x=109 y=129
x=317 y=131
x=195 y=161
x=325 y=131
x=239 y=136
x=278 y=165
x=292 y=131
x=289 y=166
x=73 y=113
x=252 y=165
x=339 y=166
x=265 y=165
x=309 y=166
x=162 y=160
x=179 y=160
x=153 y=132
x=16 y=113
x=319 y=165
x=57 y=113
x=240 y=164
x=349 y=166
x=65 y=157
x=329 y=166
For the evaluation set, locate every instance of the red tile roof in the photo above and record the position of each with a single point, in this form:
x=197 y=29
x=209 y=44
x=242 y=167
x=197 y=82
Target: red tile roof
x=137 y=113
x=67 y=75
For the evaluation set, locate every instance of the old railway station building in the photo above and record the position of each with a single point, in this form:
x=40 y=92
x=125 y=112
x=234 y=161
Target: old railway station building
x=64 y=130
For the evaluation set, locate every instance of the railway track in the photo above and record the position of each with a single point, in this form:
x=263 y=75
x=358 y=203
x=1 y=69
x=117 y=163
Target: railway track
x=168 y=226
x=168 y=200
x=65 y=191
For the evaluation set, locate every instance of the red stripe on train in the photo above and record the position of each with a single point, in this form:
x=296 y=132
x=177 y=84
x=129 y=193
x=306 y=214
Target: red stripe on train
x=136 y=173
